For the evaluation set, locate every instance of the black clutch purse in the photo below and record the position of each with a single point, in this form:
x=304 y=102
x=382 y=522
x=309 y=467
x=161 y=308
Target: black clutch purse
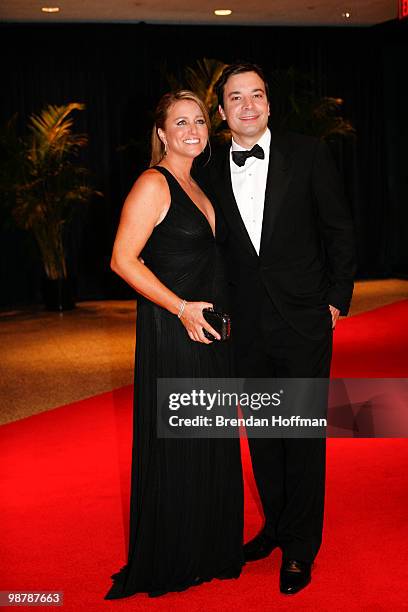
x=220 y=321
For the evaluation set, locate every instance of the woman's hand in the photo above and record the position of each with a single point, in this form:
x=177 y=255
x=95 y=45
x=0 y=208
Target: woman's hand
x=194 y=322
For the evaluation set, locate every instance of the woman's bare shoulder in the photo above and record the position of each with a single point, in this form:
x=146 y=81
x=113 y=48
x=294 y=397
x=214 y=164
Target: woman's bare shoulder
x=151 y=179
x=150 y=184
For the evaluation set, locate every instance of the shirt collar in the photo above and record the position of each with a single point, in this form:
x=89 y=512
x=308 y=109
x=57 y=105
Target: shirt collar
x=264 y=142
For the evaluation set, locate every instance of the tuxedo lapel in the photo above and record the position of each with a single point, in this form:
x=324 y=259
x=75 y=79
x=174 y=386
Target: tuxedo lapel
x=227 y=200
x=276 y=186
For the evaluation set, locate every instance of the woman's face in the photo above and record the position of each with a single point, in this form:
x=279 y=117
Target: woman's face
x=185 y=131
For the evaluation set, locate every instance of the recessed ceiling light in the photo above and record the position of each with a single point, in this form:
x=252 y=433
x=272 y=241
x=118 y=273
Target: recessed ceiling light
x=222 y=12
x=346 y=15
x=50 y=9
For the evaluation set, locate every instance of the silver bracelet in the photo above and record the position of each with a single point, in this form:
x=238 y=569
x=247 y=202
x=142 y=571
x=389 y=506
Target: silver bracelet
x=181 y=309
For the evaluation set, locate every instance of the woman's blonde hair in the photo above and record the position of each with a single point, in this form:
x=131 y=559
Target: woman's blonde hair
x=162 y=110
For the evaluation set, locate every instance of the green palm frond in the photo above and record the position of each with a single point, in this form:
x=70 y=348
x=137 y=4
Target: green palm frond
x=202 y=78
x=52 y=135
x=296 y=106
x=47 y=183
x=329 y=122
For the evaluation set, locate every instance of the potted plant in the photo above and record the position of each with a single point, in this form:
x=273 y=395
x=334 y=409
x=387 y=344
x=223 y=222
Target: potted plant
x=43 y=184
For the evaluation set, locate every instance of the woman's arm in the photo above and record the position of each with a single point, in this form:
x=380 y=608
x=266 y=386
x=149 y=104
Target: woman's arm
x=144 y=208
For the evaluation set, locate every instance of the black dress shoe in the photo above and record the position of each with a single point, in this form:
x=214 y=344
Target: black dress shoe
x=294 y=576
x=259 y=548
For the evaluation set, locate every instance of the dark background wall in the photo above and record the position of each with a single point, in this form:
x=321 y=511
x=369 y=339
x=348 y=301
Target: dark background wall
x=119 y=72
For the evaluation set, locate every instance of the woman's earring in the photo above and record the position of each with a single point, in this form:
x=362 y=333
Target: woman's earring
x=165 y=149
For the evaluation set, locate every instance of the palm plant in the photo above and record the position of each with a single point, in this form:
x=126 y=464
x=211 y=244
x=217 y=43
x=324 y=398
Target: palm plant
x=201 y=79
x=295 y=106
x=43 y=182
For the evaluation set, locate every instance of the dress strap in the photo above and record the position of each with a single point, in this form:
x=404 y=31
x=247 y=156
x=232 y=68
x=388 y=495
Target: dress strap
x=163 y=171
x=174 y=186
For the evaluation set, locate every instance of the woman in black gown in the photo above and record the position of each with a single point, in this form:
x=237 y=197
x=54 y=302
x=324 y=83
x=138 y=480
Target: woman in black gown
x=186 y=515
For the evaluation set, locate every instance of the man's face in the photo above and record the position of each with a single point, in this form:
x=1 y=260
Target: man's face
x=246 y=107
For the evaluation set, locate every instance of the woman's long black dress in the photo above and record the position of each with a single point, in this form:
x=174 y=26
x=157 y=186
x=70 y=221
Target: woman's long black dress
x=186 y=515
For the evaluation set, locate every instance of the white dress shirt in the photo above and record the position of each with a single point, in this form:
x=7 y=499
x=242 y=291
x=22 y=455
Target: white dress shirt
x=248 y=185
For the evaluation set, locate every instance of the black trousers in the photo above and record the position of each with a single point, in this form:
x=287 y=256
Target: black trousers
x=289 y=472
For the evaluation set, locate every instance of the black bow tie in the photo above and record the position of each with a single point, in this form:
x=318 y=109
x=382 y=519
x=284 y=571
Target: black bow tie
x=240 y=157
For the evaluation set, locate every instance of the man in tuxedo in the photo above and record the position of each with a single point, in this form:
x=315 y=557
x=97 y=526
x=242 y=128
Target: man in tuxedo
x=286 y=232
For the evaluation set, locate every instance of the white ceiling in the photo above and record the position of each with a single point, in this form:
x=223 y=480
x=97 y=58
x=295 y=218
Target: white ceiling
x=245 y=12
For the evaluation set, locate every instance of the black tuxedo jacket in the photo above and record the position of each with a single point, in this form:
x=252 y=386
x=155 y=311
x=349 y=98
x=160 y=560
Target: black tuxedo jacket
x=306 y=259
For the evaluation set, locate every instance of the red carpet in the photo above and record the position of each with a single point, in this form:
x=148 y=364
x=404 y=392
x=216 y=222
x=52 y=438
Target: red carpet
x=65 y=480
x=373 y=344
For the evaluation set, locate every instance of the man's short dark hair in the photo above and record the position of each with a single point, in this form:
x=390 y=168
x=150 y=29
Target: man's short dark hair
x=232 y=70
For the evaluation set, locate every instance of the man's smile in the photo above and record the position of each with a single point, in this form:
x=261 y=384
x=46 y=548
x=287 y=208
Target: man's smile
x=249 y=117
